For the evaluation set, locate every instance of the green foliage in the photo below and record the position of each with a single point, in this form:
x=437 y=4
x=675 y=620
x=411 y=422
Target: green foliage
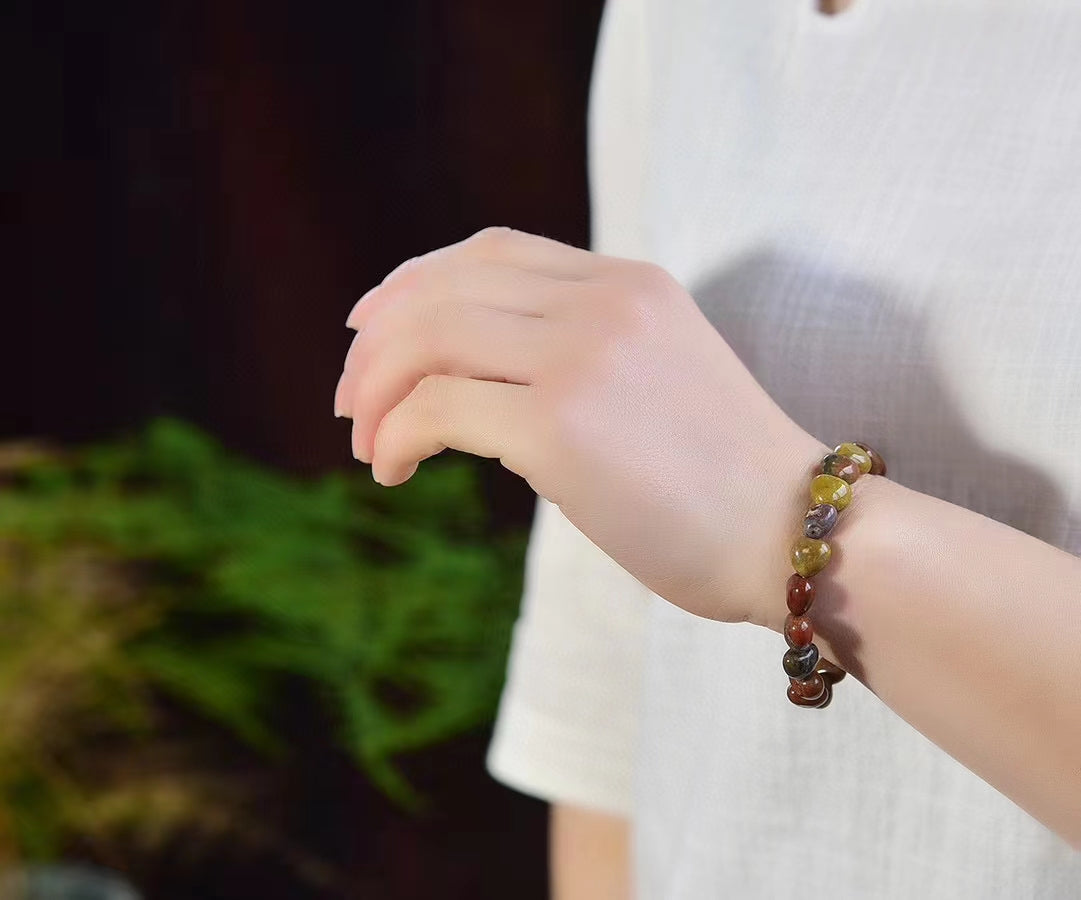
x=164 y=566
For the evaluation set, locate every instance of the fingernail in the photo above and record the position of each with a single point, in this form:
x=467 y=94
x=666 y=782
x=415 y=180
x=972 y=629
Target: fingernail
x=351 y=318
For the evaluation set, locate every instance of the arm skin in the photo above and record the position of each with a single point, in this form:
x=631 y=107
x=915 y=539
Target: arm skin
x=589 y=855
x=965 y=627
x=601 y=382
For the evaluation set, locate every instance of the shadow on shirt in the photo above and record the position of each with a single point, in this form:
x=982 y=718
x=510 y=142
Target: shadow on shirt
x=854 y=359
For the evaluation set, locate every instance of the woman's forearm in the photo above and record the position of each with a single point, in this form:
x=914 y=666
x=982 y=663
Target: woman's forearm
x=968 y=629
x=589 y=854
x=600 y=381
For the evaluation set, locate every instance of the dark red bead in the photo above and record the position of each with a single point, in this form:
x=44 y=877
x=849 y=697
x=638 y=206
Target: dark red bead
x=820 y=702
x=800 y=594
x=809 y=689
x=798 y=631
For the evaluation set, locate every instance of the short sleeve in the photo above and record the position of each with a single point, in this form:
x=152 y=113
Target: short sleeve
x=567 y=718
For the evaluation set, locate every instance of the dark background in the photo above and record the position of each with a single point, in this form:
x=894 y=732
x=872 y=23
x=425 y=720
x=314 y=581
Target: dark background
x=199 y=192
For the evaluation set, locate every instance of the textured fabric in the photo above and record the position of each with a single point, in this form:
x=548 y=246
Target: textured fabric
x=881 y=212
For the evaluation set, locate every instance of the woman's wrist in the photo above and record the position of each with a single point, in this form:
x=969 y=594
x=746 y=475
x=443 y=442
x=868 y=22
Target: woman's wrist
x=779 y=525
x=956 y=622
x=857 y=540
x=863 y=554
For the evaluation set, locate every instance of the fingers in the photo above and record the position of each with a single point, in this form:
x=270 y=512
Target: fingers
x=485 y=418
x=407 y=343
x=481 y=282
x=491 y=266
x=347 y=380
x=472 y=315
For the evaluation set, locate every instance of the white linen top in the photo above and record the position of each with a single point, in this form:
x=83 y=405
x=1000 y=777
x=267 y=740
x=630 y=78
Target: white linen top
x=881 y=212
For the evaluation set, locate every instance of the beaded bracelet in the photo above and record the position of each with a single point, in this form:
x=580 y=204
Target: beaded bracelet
x=811 y=678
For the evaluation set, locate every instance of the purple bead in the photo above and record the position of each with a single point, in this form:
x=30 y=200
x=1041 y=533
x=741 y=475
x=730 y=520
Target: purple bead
x=819 y=520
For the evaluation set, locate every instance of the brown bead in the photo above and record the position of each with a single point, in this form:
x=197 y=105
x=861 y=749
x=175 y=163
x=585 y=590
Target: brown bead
x=798 y=631
x=818 y=703
x=800 y=594
x=809 y=689
x=878 y=464
x=844 y=467
x=800 y=701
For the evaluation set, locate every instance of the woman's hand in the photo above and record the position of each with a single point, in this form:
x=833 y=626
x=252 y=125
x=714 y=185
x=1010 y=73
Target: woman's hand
x=600 y=382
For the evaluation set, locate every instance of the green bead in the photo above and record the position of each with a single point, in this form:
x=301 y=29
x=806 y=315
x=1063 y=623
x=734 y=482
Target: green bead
x=800 y=663
x=856 y=452
x=809 y=557
x=832 y=490
x=844 y=467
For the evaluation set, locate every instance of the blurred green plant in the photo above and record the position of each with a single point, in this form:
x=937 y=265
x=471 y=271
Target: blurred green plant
x=163 y=567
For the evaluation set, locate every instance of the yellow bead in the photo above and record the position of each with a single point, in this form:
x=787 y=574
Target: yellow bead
x=857 y=453
x=809 y=557
x=832 y=490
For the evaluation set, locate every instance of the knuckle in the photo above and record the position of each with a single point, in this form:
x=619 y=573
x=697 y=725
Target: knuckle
x=611 y=324
x=651 y=282
x=570 y=429
x=414 y=411
x=408 y=275
x=646 y=290
x=493 y=238
x=622 y=311
x=427 y=399
x=654 y=275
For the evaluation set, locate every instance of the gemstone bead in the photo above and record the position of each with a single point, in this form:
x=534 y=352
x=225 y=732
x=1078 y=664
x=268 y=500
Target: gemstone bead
x=831 y=489
x=857 y=453
x=802 y=701
x=819 y=520
x=811 y=677
x=809 y=557
x=878 y=464
x=800 y=594
x=798 y=631
x=800 y=662
x=809 y=689
x=844 y=467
